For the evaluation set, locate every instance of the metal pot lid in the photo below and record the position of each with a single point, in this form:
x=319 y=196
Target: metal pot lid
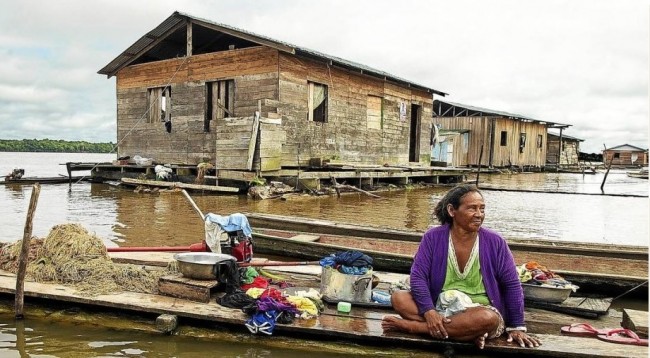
x=203 y=258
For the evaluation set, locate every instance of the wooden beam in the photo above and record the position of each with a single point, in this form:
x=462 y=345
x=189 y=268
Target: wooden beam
x=188 y=53
x=147 y=48
x=248 y=37
x=253 y=142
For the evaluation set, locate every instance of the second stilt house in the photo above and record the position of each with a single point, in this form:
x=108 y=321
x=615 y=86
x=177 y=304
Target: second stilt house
x=490 y=138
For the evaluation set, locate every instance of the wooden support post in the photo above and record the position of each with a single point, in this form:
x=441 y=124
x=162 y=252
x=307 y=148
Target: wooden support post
x=253 y=142
x=67 y=167
x=608 y=167
x=480 y=157
x=188 y=51
x=24 y=253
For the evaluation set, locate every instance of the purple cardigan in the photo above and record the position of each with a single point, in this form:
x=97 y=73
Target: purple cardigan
x=498 y=269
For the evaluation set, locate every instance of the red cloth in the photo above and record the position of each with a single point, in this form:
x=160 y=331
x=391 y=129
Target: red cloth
x=258 y=282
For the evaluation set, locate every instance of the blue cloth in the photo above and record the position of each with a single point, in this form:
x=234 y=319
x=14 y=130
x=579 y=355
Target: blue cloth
x=347 y=258
x=327 y=261
x=231 y=222
x=353 y=258
x=262 y=322
x=353 y=270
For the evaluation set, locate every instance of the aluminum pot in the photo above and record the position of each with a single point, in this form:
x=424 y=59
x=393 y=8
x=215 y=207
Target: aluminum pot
x=202 y=265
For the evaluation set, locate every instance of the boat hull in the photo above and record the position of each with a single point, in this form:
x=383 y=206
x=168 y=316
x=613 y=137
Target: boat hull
x=603 y=276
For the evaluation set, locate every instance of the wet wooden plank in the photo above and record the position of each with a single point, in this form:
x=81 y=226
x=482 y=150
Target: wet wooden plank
x=166 y=184
x=636 y=321
x=340 y=326
x=183 y=287
x=581 y=306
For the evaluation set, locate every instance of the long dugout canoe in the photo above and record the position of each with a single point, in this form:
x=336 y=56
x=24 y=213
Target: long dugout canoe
x=360 y=326
x=317 y=226
x=45 y=180
x=595 y=275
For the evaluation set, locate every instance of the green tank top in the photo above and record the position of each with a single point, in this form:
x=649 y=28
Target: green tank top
x=470 y=281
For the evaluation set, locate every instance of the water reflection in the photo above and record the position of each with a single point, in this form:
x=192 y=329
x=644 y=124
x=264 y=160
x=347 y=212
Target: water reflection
x=122 y=217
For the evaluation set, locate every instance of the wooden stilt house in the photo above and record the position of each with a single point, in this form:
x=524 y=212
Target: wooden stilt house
x=192 y=90
x=562 y=150
x=626 y=155
x=496 y=138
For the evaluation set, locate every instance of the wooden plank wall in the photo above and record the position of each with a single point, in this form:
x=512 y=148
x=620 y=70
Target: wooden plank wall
x=569 y=155
x=503 y=156
x=625 y=157
x=532 y=155
x=345 y=135
x=254 y=70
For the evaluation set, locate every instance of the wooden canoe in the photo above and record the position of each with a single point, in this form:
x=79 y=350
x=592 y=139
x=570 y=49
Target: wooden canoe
x=45 y=180
x=598 y=275
x=362 y=325
x=326 y=227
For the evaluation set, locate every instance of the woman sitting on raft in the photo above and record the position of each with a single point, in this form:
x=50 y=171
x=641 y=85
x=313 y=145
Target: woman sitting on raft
x=464 y=281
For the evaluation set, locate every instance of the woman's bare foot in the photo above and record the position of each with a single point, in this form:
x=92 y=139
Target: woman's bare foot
x=396 y=324
x=480 y=341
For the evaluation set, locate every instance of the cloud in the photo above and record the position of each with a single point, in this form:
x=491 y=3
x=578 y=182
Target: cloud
x=582 y=63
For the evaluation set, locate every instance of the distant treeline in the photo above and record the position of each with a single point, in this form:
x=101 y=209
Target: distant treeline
x=590 y=157
x=51 y=145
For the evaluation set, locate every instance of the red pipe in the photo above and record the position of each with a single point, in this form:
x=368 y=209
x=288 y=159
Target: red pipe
x=198 y=247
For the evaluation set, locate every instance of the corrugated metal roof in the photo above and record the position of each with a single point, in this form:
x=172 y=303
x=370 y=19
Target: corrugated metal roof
x=564 y=136
x=627 y=147
x=490 y=112
x=131 y=53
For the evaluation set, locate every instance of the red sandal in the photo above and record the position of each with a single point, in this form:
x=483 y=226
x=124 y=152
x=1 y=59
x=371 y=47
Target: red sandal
x=583 y=330
x=623 y=336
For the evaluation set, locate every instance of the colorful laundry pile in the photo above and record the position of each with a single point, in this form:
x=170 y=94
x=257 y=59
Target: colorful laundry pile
x=533 y=273
x=261 y=299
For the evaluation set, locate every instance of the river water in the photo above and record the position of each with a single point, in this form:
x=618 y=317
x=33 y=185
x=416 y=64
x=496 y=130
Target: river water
x=124 y=218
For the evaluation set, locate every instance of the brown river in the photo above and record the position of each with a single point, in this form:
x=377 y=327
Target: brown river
x=124 y=218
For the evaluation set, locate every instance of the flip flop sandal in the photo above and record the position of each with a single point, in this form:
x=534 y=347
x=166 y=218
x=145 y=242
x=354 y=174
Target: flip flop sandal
x=583 y=330
x=623 y=336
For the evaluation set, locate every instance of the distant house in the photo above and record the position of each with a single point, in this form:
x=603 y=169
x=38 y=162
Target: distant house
x=192 y=90
x=564 y=154
x=451 y=148
x=626 y=155
x=496 y=138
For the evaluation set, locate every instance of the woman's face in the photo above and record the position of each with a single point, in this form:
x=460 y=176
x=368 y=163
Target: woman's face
x=470 y=213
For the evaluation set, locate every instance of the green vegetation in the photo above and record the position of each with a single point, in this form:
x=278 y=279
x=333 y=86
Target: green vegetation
x=51 y=145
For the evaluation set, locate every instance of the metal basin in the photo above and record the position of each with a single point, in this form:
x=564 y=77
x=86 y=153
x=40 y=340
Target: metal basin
x=202 y=265
x=545 y=293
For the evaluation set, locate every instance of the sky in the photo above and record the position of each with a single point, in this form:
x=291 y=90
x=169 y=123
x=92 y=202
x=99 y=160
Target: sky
x=579 y=62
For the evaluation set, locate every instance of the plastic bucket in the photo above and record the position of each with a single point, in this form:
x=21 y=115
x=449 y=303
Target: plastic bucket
x=337 y=286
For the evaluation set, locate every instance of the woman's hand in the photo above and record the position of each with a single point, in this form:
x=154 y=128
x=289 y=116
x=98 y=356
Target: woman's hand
x=523 y=339
x=435 y=323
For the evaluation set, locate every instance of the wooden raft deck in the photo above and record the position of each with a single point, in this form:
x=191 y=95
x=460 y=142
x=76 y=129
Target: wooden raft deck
x=361 y=325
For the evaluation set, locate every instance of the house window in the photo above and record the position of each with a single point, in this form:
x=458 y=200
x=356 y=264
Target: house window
x=522 y=142
x=160 y=104
x=504 y=138
x=617 y=155
x=540 y=139
x=375 y=113
x=317 y=102
x=220 y=101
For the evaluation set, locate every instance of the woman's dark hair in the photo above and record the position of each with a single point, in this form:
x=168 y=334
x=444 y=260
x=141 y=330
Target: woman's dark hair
x=452 y=197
